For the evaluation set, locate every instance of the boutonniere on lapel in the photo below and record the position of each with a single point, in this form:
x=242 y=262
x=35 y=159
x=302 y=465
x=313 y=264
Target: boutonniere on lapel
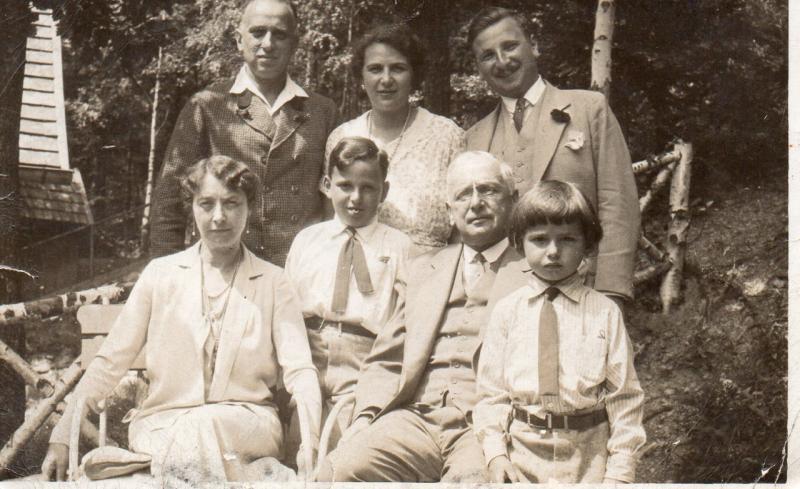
x=298 y=105
x=243 y=104
x=575 y=140
x=560 y=116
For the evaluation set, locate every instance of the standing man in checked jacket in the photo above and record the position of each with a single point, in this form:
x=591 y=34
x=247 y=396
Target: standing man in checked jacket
x=545 y=133
x=262 y=118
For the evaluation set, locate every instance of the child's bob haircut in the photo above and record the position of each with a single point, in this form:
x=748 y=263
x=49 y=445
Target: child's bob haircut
x=554 y=202
x=352 y=149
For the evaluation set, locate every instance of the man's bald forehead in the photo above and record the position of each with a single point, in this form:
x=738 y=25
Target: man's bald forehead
x=468 y=161
x=472 y=158
x=247 y=4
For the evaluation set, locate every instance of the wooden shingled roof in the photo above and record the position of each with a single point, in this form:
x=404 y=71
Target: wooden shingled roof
x=49 y=189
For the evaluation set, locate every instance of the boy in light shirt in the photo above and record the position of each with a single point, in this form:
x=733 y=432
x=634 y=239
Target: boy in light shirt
x=560 y=399
x=348 y=272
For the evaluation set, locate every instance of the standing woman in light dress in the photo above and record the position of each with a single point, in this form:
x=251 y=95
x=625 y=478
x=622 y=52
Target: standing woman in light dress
x=389 y=62
x=217 y=325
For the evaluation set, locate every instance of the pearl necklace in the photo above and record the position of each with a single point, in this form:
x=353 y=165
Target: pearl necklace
x=402 y=133
x=214 y=319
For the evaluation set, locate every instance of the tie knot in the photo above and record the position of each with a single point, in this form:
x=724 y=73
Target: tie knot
x=551 y=293
x=479 y=258
x=351 y=231
x=521 y=104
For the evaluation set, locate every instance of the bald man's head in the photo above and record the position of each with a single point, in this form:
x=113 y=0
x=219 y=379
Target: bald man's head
x=267 y=39
x=480 y=196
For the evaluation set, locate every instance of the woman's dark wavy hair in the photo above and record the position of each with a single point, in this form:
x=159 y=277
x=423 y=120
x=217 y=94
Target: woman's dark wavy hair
x=554 y=202
x=234 y=174
x=399 y=36
x=355 y=148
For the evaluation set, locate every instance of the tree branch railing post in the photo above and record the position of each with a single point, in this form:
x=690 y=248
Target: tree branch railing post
x=39 y=415
x=680 y=217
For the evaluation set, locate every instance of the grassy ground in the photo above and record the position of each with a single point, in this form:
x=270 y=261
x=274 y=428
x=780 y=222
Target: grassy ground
x=714 y=371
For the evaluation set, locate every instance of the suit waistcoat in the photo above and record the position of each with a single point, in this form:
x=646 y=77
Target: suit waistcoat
x=449 y=378
x=515 y=148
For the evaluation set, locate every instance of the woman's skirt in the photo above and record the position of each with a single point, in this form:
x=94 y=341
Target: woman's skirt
x=212 y=443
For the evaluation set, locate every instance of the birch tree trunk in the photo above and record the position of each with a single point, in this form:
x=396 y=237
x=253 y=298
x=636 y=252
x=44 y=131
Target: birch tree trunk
x=151 y=160
x=601 y=51
x=680 y=216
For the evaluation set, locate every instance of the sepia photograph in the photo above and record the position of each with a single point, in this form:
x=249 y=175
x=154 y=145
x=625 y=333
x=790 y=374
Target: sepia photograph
x=439 y=241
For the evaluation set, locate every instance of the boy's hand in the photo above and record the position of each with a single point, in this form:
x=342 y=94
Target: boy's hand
x=501 y=470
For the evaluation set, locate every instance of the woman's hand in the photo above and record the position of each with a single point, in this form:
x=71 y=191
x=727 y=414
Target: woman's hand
x=501 y=470
x=55 y=462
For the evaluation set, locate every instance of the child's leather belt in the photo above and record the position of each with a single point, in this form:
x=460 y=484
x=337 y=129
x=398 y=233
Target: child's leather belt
x=562 y=422
x=317 y=323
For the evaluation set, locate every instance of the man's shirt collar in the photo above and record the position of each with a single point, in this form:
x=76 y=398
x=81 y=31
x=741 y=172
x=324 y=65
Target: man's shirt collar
x=492 y=253
x=533 y=95
x=571 y=287
x=245 y=81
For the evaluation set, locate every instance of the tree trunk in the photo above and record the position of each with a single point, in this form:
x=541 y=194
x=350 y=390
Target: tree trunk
x=130 y=172
x=311 y=65
x=151 y=161
x=17 y=19
x=680 y=216
x=601 y=51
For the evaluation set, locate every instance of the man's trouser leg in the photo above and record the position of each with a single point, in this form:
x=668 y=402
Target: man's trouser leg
x=462 y=453
x=397 y=447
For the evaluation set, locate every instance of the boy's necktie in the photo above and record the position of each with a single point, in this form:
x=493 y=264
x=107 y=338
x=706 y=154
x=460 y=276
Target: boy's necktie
x=519 y=113
x=548 y=347
x=351 y=257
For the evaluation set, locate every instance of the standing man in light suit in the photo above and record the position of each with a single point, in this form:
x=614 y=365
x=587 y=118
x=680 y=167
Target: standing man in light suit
x=262 y=118
x=549 y=134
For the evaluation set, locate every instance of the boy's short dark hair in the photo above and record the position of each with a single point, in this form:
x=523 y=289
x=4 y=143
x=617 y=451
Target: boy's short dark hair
x=234 y=174
x=400 y=37
x=355 y=148
x=554 y=202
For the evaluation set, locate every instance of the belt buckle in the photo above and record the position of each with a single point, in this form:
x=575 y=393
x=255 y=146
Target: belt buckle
x=549 y=418
x=566 y=422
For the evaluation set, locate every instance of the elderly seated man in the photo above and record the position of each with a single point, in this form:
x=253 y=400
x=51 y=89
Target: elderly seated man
x=417 y=388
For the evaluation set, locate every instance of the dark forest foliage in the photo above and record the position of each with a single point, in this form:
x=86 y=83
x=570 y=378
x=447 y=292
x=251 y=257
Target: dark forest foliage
x=712 y=72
